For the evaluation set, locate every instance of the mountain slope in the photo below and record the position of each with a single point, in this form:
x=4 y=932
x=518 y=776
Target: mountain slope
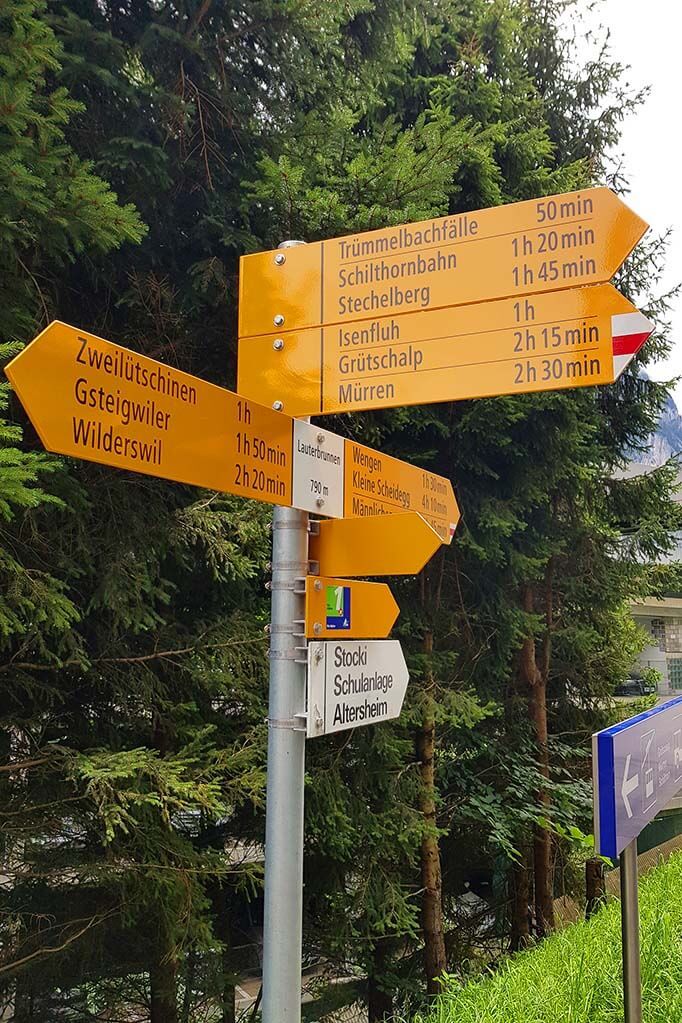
x=667 y=440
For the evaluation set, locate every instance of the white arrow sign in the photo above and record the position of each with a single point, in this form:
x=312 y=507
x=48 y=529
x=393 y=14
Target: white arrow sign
x=629 y=785
x=354 y=683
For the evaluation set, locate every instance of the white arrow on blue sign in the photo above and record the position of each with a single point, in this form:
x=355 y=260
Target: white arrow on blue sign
x=637 y=769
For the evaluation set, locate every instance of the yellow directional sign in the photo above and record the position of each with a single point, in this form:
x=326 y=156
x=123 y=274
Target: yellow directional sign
x=399 y=544
x=92 y=399
x=553 y=341
x=548 y=244
x=346 y=608
x=377 y=484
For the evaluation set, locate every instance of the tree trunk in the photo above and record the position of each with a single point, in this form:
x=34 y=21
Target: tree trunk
x=227 y=1008
x=535 y=679
x=595 y=889
x=163 y=983
x=435 y=961
x=190 y=979
x=520 y=901
x=23 y=1000
x=542 y=842
x=379 y=1000
x=220 y=898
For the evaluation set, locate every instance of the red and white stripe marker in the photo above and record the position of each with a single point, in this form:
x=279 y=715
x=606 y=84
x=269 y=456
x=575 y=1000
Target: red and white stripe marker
x=629 y=331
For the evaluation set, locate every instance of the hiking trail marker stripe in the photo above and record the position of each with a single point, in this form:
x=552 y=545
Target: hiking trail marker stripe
x=573 y=338
x=630 y=331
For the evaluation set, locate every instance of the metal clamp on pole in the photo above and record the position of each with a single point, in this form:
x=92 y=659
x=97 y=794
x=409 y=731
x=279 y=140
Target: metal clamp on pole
x=293 y=724
x=283 y=922
x=632 y=983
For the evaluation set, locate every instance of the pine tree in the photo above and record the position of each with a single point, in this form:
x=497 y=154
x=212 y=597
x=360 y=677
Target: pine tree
x=52 y=208
x=136 y=682
x=537 y=568
x=151 y=753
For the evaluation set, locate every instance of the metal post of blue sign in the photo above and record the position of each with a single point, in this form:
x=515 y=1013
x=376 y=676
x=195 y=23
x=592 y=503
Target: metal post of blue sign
x=629 y=908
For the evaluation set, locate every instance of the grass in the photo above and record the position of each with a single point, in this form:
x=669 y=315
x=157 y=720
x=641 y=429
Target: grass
x=575 y=976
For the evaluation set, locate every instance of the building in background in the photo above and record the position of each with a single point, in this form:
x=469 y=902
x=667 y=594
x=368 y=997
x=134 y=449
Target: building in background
x=662 y=619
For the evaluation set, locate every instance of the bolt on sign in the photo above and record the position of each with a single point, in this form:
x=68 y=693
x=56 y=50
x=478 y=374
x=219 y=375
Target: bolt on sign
x=552 y=341
x=547 y=244
x=95 y=400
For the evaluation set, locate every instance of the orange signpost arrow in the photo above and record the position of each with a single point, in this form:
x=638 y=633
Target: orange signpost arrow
x=95 y=400
x=92 y=399
x=377 y=484
x=398 y=544
x=552 y=341
x=524 y=248
x=347 y=608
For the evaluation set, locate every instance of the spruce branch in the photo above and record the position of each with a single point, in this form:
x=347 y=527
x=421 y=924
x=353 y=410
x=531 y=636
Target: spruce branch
x=132 y=659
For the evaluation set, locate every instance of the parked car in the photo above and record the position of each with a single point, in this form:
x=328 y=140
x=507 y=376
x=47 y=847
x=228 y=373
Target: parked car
x=635 y=685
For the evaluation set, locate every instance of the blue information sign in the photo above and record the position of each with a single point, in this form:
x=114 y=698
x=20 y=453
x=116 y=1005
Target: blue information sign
x=338 y=607
x=637 y=769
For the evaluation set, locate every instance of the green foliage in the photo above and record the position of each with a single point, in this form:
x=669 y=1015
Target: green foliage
x=19 y=470
x=479 y=122
x=576 y=974
x=131 y=621
x=53 y=207
x=132 y=670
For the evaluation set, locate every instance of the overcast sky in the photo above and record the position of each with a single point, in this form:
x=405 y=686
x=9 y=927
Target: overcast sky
x=647 y=35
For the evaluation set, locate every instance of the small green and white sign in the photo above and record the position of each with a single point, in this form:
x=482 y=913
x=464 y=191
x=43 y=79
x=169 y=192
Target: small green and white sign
x=338 y=607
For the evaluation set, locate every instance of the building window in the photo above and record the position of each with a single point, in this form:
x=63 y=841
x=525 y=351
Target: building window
x=657 y=630
x=673 y=635
x=675 y=672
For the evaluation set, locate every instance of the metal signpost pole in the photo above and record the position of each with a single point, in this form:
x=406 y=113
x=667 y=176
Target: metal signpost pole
x=632 y=984
x=282 y=931
x=283 y=917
